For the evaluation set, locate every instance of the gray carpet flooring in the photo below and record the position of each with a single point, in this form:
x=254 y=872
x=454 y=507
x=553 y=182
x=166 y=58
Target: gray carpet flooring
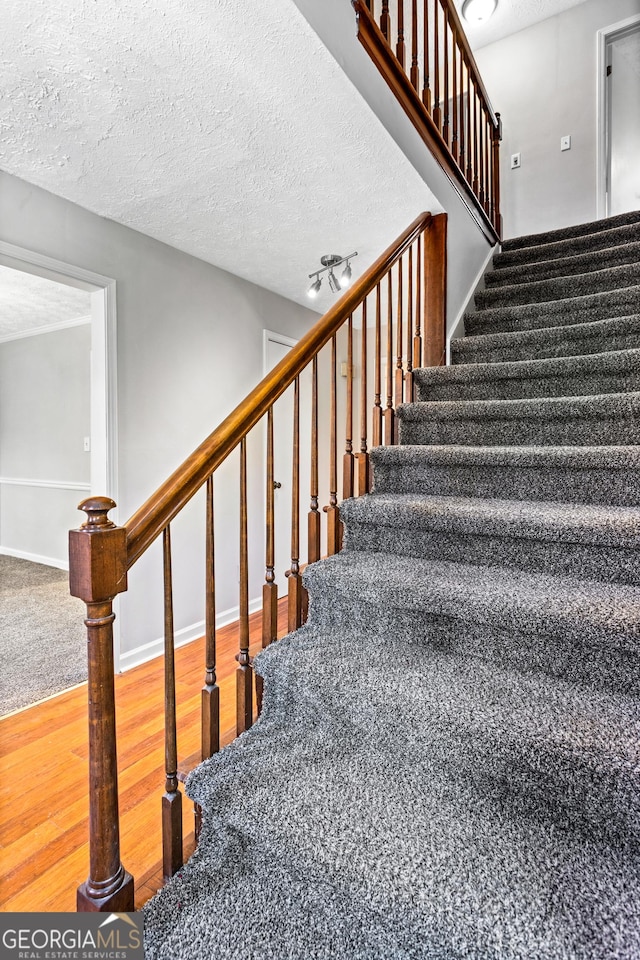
x=42 y=636
x=447 y=766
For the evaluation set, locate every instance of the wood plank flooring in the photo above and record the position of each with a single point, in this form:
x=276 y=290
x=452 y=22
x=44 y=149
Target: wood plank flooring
x=44 y=776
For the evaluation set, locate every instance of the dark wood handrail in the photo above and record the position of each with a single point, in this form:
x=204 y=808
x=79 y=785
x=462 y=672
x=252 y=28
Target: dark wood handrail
x=149 y=521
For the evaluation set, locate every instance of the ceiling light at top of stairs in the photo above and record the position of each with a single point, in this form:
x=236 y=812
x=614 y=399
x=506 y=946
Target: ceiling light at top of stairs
x=477 y=11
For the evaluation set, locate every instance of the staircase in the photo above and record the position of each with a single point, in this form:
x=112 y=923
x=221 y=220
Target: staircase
x=448 y=760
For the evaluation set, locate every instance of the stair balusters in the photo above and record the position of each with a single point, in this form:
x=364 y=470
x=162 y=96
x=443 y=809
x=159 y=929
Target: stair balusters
x=451 y=110
x=101 y=553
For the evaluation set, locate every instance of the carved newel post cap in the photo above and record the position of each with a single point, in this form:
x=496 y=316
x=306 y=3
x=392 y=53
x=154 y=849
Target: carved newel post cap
x=97 y=554
x=96 y=509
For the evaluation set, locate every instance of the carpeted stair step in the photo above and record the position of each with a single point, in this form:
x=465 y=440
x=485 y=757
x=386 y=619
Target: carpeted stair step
x=567 y=233
x=536 y=316
x=613 y=372
x=567 y=539
x=559 y=288
x=617 y=333
x=577 y=629
x=625 y=253
x=400 y=801
x=571 y=247
x=611 y=419
x=605 y=475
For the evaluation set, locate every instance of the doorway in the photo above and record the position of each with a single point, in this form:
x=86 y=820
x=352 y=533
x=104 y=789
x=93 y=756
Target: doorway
x=619 y=127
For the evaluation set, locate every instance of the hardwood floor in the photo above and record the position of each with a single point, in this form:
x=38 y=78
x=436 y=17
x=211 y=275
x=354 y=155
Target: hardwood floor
x=44 y=778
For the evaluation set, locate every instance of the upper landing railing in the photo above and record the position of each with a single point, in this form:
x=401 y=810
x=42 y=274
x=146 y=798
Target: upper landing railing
x=420 y=48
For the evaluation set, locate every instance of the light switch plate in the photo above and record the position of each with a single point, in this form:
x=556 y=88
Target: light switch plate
x=565 y=143
x=516 y=161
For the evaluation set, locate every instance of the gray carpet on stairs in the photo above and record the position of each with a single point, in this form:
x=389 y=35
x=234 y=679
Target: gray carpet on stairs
x=447 y=766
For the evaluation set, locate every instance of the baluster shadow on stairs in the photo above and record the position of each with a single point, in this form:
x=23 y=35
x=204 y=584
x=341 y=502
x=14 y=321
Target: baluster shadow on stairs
x=447 y=760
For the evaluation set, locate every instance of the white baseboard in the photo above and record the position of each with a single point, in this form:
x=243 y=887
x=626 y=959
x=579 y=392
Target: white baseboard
x=35 y=558
x=457 y=329
x=148 y=651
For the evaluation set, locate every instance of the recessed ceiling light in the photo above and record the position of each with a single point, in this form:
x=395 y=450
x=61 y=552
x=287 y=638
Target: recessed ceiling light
x=477 y=11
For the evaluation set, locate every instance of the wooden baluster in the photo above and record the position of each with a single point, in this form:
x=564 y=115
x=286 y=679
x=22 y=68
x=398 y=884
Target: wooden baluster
x=437 y=112
x=461 y=139
x=426 y=90
x=400 y=46
x=334 y=533
x=97 y=573
x=313 y=529
x=210 y=692
x=399 y=345
x=410 y=333
x=469 y=128
x=476 y=183
x=488 y=199
x=270 y=588
x=415 y=69
x=363 y=456
x=481 y=154
x=389 y=414
x=454 y=96
x=445 y=31
x=376 y=430
x=172 y=799
x=294 y=605
x=497 y=137
x=244 y=673
x=417 y=339
x=385 y=21
x=348 y=459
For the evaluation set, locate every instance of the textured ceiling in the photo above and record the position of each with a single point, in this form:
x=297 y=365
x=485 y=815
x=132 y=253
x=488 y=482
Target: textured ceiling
x=224 y=129
x=28 y=302
x=511 y=16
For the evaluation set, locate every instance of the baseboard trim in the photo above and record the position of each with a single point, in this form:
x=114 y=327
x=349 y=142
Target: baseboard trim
x=34 y=558
x=155 y=648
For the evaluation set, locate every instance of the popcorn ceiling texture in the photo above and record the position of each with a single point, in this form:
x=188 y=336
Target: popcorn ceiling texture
x=226 y=130
x=28 y=302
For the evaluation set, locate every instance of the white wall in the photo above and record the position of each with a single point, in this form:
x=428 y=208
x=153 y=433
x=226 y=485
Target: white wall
x=44 y=416
x=543 y=80
x=189 y=349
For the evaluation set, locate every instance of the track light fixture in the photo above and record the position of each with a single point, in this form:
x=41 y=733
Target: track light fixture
x=329 y=262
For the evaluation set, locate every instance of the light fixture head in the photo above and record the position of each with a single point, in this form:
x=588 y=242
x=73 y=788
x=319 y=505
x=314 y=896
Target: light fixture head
x=477 y=11
x=314 y=289
x=345 y=279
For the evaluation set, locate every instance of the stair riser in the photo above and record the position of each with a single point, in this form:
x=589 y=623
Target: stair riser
x=570 y=431
x=567 y=248
x=579 y=230
x=551 y=653
x=562 y=313
x=608 y=487
x=572 y=266
x=586 y=561
x=574 y=345
x=559 y=289
x=523 y=389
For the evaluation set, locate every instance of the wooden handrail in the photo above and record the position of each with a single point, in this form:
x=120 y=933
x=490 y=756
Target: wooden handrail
x=153 y=516
x=444 y=44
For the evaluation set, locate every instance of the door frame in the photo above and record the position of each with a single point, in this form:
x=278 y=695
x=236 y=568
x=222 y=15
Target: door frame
x=104 y=402
x=602 y=109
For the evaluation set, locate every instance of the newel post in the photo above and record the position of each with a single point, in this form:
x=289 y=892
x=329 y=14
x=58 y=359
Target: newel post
x=497 y=137
x=435 y=291
x=97 y=573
